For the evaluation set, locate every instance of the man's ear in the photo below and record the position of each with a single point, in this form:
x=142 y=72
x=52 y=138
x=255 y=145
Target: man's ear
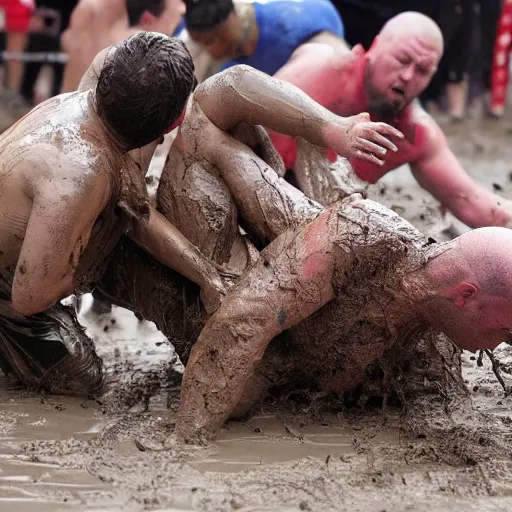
x=147 y=19
x=462 y=293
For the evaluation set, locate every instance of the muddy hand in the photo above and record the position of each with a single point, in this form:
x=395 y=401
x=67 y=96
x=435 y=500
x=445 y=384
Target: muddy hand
x=358 y=137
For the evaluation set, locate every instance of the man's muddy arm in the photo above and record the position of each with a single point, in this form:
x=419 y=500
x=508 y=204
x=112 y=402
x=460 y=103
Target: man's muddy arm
x=166 y=244
x=292 y=279
x=243 y=94
x=442 y=175
x=58 y=230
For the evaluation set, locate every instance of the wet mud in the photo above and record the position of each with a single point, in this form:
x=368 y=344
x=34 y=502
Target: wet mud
x=437 y=454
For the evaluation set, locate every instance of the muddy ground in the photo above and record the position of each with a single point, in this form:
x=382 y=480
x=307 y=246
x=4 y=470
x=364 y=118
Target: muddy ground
x=64 y=454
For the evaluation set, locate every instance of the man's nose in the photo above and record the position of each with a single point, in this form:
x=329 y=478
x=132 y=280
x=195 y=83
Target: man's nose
x=407 y=73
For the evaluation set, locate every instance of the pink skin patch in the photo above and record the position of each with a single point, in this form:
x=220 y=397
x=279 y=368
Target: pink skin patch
x=314 y=265
x=317 y=260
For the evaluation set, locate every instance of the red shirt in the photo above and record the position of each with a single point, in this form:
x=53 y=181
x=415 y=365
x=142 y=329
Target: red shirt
x=15 y=15
x=500 y=61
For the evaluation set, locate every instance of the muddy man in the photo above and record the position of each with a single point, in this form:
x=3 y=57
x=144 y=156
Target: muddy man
x=385 y=81
x=69 y=189
x=338 y=293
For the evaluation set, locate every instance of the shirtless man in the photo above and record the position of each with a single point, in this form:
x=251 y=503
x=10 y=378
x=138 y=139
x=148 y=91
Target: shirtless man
x=69 y=190
x=98 y=24
x=341 y=293
x=385 y=81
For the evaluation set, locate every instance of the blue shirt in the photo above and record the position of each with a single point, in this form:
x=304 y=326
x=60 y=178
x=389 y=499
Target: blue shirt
x=283 y=26
x=179 y=29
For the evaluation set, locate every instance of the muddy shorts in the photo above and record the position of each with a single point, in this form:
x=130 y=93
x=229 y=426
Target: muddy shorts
x=48 y=351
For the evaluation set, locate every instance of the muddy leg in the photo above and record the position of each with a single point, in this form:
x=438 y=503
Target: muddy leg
x=199 y=204
x=267 y=203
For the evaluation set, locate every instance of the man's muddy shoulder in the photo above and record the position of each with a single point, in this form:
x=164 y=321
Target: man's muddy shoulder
x=360 y=221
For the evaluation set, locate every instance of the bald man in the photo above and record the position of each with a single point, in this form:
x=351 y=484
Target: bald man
x=385 y=81
x=98 y=24
x=345 y=298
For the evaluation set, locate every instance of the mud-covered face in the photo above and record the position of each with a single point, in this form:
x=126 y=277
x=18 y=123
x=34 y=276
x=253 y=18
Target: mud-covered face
x=399 y=72
x=219 y=41
x=482 y=323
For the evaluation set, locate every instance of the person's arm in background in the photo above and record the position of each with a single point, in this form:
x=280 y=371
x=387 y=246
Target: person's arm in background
x=439 y=172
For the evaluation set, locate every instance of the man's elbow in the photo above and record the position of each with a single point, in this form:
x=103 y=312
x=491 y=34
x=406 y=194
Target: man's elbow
x=235 y=74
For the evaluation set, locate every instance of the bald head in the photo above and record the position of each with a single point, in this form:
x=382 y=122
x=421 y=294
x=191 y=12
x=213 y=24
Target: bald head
x=487 y=253
x=413 y=24
x=472 y=282
x=401 y=62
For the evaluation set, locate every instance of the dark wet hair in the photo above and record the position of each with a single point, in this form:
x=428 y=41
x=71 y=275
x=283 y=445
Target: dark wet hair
x=144 y=86
x=136 y=8
x=204 y=15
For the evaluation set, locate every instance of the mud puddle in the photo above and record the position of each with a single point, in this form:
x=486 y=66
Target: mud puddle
x=268 y=440
x=25 y=483
x=63 y=454
x=49 y=450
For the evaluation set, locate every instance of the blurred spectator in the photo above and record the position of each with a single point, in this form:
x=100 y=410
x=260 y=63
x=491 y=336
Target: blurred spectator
x=15 y=17
x=50 y=19
x=456 y=20
x=489 y=11
x=501 y=61
x=261 y=34
x=97 y=24
x=468 y=33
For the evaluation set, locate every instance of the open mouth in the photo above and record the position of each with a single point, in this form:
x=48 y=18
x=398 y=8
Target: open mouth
x=398 y=91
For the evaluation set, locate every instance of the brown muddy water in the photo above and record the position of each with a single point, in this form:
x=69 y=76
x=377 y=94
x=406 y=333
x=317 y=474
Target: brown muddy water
x=66 y=454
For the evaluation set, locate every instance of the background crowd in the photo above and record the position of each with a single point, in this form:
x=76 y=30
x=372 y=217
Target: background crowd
x=473 y=72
